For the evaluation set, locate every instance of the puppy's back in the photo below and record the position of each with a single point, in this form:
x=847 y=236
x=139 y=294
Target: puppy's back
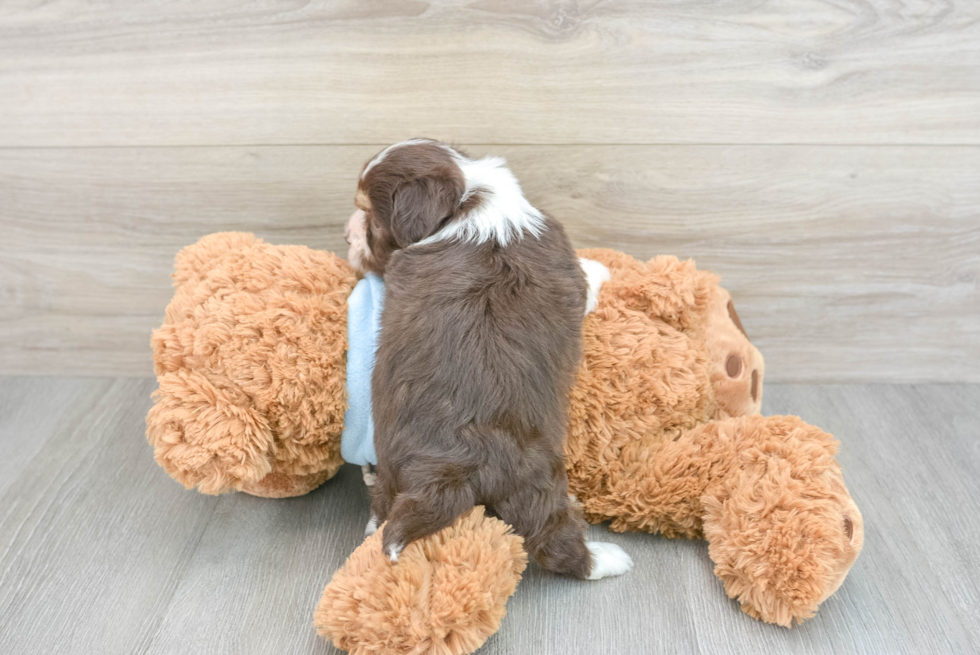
x=479 y=333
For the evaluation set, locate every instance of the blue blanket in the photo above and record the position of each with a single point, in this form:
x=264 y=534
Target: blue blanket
x=363 y=324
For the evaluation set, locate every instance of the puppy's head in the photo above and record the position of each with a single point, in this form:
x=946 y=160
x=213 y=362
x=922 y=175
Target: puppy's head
x=406 y=193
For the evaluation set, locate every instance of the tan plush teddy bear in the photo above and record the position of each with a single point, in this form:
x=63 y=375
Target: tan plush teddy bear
x=664 y=436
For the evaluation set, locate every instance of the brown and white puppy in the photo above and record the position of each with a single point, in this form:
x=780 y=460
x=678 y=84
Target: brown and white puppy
x=480 y=339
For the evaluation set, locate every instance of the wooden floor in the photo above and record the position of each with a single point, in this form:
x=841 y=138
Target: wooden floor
x=101 y=552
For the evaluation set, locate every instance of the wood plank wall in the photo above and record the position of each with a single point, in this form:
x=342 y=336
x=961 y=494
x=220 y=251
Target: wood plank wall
x=822 y=156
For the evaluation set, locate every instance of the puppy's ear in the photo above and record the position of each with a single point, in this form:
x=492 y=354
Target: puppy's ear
x=421 y=205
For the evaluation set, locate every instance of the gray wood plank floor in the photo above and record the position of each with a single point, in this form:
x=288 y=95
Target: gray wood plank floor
x=100 y=552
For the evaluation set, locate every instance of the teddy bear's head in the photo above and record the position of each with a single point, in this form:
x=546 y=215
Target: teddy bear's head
x=250 y=364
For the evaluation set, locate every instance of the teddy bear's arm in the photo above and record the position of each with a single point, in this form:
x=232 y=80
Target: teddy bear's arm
x=767 y=494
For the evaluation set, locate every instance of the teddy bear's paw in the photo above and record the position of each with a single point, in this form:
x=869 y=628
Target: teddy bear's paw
x=447 y=593
x=608 y=560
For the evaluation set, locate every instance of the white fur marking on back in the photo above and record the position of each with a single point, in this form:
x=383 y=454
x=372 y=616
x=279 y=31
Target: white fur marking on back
x=595 y=274
x=504 y=215
x=608 y=559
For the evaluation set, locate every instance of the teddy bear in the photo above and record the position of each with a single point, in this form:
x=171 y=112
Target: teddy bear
x=665 y=435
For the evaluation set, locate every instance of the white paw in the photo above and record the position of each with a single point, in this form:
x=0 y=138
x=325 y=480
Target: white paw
x=595 y=274
x=608 y=559
x=371 y=527
x=370 y=477
x=394 y=551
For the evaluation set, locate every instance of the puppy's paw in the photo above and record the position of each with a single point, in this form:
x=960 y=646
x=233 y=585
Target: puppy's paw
x=595 y=274
x=393 y=551
x=608 y=559
x=370 y=477
x=371 y=527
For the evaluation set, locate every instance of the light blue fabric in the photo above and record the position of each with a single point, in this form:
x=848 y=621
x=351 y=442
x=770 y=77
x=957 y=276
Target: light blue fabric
x=363 y=324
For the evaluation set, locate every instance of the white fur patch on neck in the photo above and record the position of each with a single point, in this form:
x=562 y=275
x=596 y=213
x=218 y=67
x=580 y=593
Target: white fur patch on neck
x=504 y=214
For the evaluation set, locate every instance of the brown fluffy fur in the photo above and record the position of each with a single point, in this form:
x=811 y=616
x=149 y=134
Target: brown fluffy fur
x=660 y=438
x=478 y=349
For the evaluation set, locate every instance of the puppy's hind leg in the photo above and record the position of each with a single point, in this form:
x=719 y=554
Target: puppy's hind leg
x=382 y=496
x=556 y=538
x=418 y=513
x=607 y=560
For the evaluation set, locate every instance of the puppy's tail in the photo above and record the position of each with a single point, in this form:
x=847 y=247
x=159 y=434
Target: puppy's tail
x=419 y=513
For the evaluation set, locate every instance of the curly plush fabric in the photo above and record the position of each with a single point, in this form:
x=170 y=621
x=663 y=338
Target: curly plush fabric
x=250 y=362
x=781 y=527
x=644 y=378
x=664 y=436
x=445 y=596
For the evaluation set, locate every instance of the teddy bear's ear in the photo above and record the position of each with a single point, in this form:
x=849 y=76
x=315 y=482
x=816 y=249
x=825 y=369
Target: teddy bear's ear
x=195 y=261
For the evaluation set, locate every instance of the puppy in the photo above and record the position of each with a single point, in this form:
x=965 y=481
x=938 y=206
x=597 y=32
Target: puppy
x=480 y=340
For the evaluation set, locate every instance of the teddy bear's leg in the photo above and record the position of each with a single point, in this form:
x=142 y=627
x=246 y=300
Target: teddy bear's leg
x=447 y=593
x=767 y=494
x=781 y=526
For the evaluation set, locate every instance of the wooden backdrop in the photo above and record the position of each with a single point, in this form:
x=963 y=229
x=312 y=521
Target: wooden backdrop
x=823 y=156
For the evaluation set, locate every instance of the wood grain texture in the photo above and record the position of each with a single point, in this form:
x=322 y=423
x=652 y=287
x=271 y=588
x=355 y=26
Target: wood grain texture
x=260 y=569
x=219 y=72
x=93 y=535
x=24 y=429
x=846 y=263
x=101 y=552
